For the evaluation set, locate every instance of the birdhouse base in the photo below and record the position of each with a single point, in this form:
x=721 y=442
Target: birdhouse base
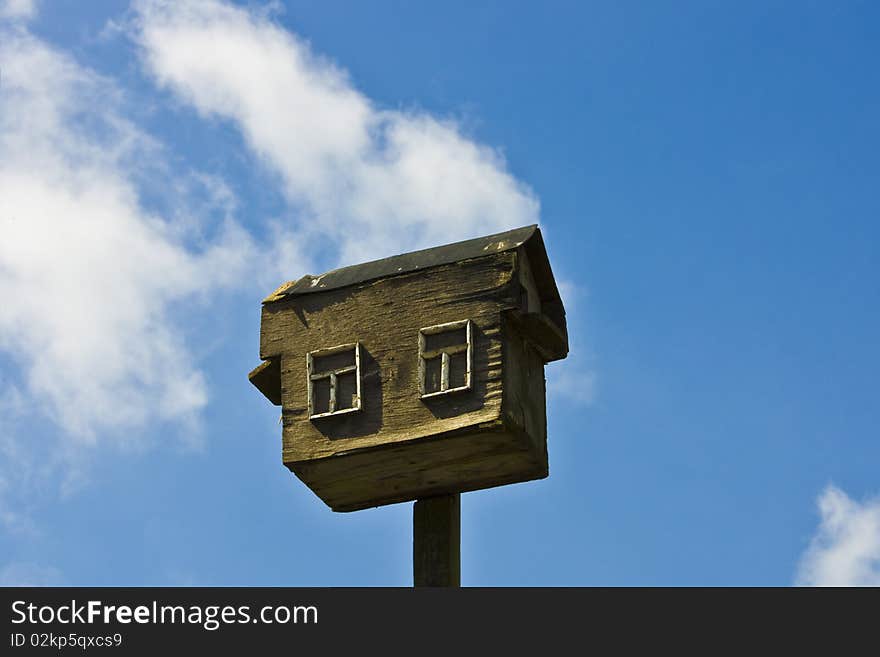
x=484 y=456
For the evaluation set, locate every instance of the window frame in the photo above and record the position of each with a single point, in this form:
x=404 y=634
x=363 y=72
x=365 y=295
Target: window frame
x=332 y=374
x=445 y=353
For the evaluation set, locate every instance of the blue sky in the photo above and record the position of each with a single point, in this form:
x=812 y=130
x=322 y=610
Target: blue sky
x=706 y=178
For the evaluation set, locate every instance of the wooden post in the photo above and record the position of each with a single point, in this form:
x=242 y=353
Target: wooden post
x=437 y=541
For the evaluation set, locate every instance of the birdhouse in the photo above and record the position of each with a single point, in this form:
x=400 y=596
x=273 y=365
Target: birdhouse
x=417 y=375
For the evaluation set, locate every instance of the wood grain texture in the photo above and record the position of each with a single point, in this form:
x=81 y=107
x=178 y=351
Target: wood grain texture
x=437 y=541
x=435 y=465
x=524 y=401
x=385 y=317
x=267 y=378
x=399 y=446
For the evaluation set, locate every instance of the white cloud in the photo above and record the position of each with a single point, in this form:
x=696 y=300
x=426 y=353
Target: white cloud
x=368 y=181
x=24 y=9
x=92 y=276
x=574 y=378
x=17 y=463
x=845 y=550
x=87 y=275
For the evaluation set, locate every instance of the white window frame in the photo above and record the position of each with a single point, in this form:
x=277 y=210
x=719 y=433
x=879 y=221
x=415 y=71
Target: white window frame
x=444 y=353
x=332 y=374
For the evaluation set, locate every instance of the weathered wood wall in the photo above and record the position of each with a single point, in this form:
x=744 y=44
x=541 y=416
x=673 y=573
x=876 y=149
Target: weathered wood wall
x=524 y=400
x=385 y=317
x=399 y=446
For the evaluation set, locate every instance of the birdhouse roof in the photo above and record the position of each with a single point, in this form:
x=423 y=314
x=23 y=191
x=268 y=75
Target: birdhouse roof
x=528 y=236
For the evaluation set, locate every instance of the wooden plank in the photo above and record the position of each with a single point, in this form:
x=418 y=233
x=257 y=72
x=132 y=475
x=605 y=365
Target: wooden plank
x=437 y=541
x=401 y=445
x=385 y=317
x=267 y=378
x=524 y=403
x=404 y=263
x=434 y=465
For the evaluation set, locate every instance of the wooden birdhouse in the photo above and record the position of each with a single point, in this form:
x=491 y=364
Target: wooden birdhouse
x=417 y=375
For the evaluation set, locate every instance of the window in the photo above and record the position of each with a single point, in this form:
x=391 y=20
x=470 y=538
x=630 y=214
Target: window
x=445 y=358
x=334 y=380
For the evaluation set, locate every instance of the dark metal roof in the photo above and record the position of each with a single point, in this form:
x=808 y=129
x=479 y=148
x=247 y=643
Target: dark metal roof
x=416 y=260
